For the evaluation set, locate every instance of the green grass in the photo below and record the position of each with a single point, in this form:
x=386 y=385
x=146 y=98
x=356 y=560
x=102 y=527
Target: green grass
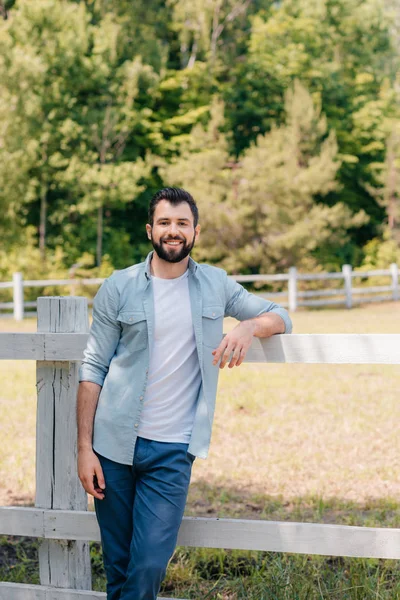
x=232 y=575
x=312 y=443
x=262 y=576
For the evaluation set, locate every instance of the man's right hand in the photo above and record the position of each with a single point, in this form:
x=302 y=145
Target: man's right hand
x=90 y=473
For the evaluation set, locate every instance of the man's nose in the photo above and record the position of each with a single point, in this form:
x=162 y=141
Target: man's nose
x=173 y=229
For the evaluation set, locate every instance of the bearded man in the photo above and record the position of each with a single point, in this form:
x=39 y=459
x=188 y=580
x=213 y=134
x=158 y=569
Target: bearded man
x=147 y=391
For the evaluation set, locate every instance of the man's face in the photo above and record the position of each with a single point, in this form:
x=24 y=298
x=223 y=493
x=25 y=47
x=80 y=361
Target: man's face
x=173 y=233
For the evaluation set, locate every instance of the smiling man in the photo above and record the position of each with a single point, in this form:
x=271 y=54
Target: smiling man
x=148 y=385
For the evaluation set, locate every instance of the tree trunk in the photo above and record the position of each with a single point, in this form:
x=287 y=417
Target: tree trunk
x=392 y=181
x=391 y=212
x=193 y=55
x=99 y=245
x=42 y=226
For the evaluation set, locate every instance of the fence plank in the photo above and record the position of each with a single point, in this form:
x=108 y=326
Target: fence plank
x=22 y=346
x=393 y=272
x=327 y=349
x=21 y=591
x=300 y=538
x=266 y=278
x=240 y=534
x=316 y=293
x=53 y=282
x=42 y=346
x=340 y=292
x=318 y=276
x=372 y=273
x=332 y=348
x=18 y=520
x=62 y=564
x=383 y=298
x=326 y=302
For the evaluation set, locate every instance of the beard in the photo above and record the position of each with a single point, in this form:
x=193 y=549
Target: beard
x=172 y=254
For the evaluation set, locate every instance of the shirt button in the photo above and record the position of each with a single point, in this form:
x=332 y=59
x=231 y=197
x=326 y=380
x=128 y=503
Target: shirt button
x=141 y=397
x=136 y=425
x=130 y=318
x=213 y=314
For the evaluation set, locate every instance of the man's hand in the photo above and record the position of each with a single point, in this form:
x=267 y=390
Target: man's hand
x=237 y=341
x=90 y=473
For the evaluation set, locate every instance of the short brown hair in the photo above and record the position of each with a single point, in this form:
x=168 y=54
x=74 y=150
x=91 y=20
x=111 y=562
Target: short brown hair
x=174 y=196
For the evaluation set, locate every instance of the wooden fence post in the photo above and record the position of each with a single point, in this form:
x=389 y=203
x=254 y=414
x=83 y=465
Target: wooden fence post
x=346 y=270
x=292 y=289
x=62 y=563
x=18 y=296
x=394 y=271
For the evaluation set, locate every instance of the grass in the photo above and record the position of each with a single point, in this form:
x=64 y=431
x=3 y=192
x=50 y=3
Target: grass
x=315 y=443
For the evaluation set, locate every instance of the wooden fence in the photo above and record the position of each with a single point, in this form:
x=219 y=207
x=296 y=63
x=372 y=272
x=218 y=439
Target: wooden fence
x=60 y=517
x=345 y=295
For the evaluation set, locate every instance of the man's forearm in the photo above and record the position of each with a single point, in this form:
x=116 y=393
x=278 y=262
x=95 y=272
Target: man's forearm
x=88 y=396
x=266 y=325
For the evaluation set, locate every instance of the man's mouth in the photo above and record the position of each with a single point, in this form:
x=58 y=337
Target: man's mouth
x=173 y=242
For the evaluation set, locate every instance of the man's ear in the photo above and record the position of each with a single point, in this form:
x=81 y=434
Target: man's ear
x=148 y=230
x=197 y=231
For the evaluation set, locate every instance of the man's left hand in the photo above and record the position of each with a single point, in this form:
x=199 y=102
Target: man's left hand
x=237 y=341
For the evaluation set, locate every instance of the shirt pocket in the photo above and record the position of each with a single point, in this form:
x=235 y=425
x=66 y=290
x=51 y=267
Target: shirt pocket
x=134 y=329
x=213 y=324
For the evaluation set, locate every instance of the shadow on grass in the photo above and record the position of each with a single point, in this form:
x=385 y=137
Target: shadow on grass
x=207 y=500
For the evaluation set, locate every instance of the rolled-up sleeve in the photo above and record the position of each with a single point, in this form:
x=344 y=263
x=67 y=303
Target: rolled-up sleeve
x=243 y=305
x=104 y=335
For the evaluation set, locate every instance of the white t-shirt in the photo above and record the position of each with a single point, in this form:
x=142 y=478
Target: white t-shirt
x=174 y=374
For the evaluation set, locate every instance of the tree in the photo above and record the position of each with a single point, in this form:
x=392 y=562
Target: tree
x=282 y=176
x=90 y=89
x=82 y=106
x=109 y=115
x=260 y=213
x=200 y=26
x=387 y=175
x=205 y=167
x=342 y=51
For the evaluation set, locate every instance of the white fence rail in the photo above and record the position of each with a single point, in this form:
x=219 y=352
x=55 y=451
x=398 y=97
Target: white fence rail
x=292 y=298
x=60 y=517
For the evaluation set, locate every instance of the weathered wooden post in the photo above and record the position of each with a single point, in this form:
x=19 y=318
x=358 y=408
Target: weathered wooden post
x=346 y=270
x=18 y=296
x=394 y=271
x=63 y=563
x=292 y=289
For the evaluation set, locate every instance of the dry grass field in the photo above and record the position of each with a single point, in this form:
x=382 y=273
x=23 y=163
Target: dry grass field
x=285 y=436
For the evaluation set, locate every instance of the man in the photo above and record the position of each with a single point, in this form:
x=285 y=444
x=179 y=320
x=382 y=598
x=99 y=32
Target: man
x=147 y=390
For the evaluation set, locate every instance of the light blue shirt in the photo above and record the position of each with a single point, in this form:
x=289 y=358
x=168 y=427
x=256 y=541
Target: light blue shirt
x=117 y=354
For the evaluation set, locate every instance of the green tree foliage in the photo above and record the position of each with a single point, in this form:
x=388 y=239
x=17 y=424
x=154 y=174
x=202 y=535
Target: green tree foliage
x=263 y=215
x=83 y=104
x=102 y=102
x=282 y=175
x=341 y=50
x=205 y=167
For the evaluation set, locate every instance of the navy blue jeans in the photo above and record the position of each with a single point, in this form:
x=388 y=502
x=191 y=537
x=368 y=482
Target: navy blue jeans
x=140 y=516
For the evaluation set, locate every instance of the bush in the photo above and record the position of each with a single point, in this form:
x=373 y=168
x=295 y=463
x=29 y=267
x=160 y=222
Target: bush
x=381 y=252
x=26 y=259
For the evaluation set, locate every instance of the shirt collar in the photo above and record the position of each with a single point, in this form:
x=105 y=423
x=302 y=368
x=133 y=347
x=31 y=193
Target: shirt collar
x=192 y=265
